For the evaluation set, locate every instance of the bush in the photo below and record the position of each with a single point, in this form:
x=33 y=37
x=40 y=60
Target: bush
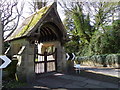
x=112 y=60
x=10 y=70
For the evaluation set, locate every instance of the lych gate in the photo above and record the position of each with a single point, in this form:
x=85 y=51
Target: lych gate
x=46 y=62
x=38 y=44
x=45 y=49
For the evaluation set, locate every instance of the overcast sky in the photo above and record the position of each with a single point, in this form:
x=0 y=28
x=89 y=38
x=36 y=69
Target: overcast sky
x=27 y=9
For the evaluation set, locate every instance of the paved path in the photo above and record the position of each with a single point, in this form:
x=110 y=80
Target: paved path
x=58 y=80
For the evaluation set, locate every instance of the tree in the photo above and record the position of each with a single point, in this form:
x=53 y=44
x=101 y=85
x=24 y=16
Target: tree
x=1 y=36
x=89 y=22
x=37 y=4
x=104 y=12
x=1 y=47
x=102 y=41
x=74 y=38
x=11 y=13
x=78 y=26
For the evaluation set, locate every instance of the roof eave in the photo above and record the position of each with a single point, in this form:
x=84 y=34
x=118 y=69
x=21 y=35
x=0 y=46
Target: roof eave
x=15 y=39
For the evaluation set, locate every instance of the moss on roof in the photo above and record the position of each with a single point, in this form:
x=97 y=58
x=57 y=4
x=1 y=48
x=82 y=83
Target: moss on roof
x=28 y=24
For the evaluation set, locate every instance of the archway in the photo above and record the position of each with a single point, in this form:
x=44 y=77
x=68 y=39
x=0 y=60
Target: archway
x=45 y=48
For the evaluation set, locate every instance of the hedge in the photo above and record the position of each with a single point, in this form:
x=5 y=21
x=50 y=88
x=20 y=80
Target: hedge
x=110 y=60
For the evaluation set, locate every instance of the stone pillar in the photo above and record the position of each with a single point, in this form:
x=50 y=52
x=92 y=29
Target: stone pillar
x=30 y=64
x=61 y=62
x=63 y=54
x=22 y=65
x=25 y=68
x=70 y=66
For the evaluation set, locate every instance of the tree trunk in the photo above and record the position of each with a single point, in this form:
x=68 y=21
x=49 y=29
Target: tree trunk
x=1 y=49
x=1 y=37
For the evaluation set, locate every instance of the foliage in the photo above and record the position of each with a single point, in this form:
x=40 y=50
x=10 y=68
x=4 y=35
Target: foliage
x=11 y=69
x=79 y=29
x=10 y=80
x=111 y=60
x=95 y=32
x=107 y=42
x=73 y=35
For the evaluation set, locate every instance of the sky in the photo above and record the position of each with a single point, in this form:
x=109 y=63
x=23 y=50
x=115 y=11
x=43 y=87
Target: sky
x=27 y=9
x=59 y=8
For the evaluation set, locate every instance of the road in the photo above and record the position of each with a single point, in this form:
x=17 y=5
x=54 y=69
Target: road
x=65 y=81
x=102 y=70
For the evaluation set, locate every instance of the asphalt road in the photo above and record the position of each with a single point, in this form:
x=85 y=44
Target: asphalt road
x=101 y=70
x=66 y=81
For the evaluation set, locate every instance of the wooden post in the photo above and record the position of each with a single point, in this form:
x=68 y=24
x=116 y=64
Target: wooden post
x=45 y=61
x=1 y=50
x=56 y=59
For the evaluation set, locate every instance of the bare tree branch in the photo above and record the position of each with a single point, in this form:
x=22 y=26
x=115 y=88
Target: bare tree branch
x=37 y=4
x=11 y=14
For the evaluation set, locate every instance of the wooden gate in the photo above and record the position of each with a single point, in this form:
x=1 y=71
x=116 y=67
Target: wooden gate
x=46 y=62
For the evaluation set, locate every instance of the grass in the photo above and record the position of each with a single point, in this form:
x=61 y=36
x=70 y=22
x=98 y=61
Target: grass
x=13 y=84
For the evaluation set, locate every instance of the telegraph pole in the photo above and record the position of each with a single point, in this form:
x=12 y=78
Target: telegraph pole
x=1 y=50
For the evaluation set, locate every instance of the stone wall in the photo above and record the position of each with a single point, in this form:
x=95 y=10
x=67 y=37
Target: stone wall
x=25 y=65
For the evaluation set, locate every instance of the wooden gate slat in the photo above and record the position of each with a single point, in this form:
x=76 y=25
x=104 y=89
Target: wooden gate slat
x=45 y=65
